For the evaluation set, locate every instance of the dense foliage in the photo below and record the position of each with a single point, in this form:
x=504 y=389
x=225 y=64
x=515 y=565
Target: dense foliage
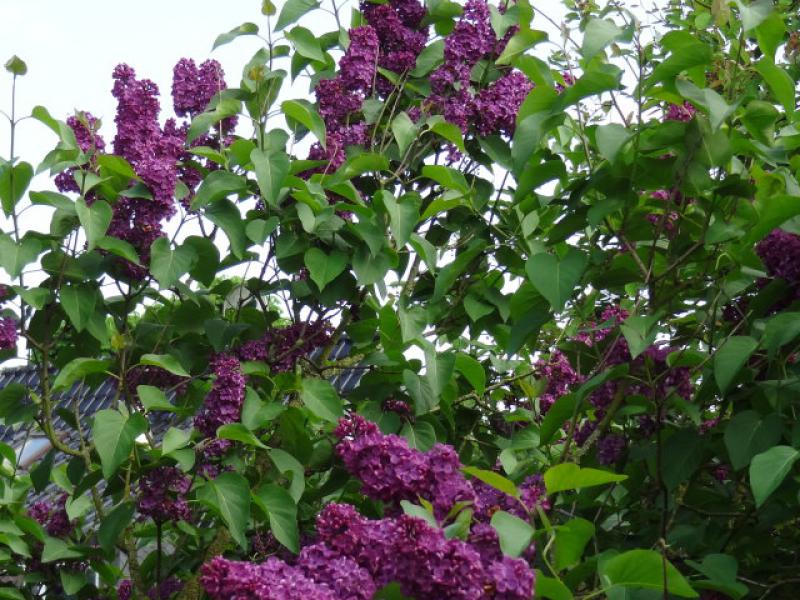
x=566 y=273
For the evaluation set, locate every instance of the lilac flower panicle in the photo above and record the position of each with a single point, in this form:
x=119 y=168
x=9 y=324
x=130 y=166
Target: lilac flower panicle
x=8 y=333
x=282 y=347
x=52 y=516
x=223 y=404
x=780 y=253
x=681 y=112
x=497 y=106
x=610 y=449
x=560 y=377
x=162 y=495
x=193 y=88
x=357 y=66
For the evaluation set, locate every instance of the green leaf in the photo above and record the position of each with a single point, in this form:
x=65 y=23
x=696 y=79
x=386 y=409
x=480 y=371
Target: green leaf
x=753 y=14
x=420 y=391
x=493 y=479
x=306 y=44
x=769 y=469
x=404 y=130
x=293 y=10
x=370 y=269
x=218 y=185
x=259 y=230
x=166 y=362
x=324 y=268
x=569 y=476
x=556 y=279
x=640 y=332
x=610 y=140
x=120 y=248
x=282 y=513
x=94 y=219
x=519 y=43
x=14 y=257
x=549 y=587
x=450 y=273
x=514 y=533
x=13 y=183
x=571 y=539
x=449 y=179
x=243 y=29
x=16 y=66
x=271 y=170
x=229 y=496
x=239 y=433
x=226 y=215
x=747 y=434
x=718 y=110
x=780 y=83
x=599 y=33
x=286 y=463
x=56 y=549
x=7 y=593
x=686 y=52
x=72 y=581
x=154 y=399
x=226 y=107
x=644 y=569
x=114 y=436
x=730 y=359
x=321 y=399
x=438 y=368
x=770 y=34
x=472 y=371
x=430 y=58
x=560 y=412
x=168 y=265
x=403 y=216
x=420 y=435
x=77 y=369
x=305 y=114
x=780 y=330
x=114 y=523
x=79 y=302
x=174 y=439
x=448 y=131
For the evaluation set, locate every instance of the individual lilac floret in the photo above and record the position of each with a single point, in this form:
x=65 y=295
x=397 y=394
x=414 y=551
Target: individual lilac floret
x=125 y=589
x=8 y=333
x=681 y=112
x=223 y=404
x=610 y=449
x=53 y=517
x=162 y=495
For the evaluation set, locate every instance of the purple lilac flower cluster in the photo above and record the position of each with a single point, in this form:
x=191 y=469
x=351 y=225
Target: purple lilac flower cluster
x=560 y=377
x=282 y=347
x=780 y=253
x=495 y=108
x=162 y=495
x=8 y=333
x=85 y=127
x=681 y=112
x=355 y=556
x=340 y=99
x=223 y=404
x=168 y=587
x=392 y=471
x=401 y=36
x=52 y=516
x=154 y=152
